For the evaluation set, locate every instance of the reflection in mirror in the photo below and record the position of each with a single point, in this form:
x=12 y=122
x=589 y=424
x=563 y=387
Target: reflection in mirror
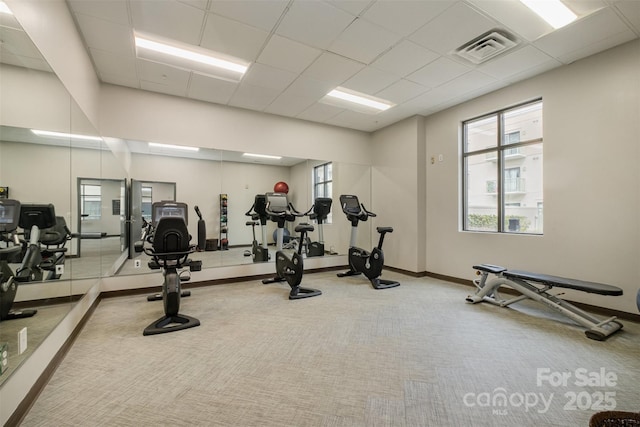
x=224 y=186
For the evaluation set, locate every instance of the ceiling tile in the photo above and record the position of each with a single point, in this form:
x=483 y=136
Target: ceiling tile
x=370 y=80
x=309 y=87
x=163 y=78
x=332 y=68
x=401 y=91
x=516 y=16
x=631 y=10
x=232 y=37
x=454 y=27
x=200 y=4
x=319 y=112
x=290 y=105
x=208 y=89
x=287 y=54
x=112 y=64
x=354 y=7
x=107 y=36
x=253 y=97
x=257 y=13
x=268 y=77
x=24 y=61
x=590 y=30
x=597 y=47
x=364 y=41
x=514 y=62
x=108 y=10
x=314 y=23
x=354 y=120
x=438 y=72
x=169 y=19
x=408 y=18
x=18 y=43
x=120 y=80
x=404 y=58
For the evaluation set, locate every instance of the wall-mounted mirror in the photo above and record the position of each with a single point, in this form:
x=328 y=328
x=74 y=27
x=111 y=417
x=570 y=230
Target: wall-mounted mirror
x=224 y=185
x=40 y=158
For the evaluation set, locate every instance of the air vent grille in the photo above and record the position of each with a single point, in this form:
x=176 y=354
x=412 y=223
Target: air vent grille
x=487 y=46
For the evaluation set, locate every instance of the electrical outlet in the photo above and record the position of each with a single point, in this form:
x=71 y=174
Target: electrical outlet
x=22 y=340
x=137 y=263
x=59 y=269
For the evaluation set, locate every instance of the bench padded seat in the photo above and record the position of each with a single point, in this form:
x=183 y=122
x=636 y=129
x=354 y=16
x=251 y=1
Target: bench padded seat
x=562 y=282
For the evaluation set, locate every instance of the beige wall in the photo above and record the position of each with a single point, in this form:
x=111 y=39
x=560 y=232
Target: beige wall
x=591 y=180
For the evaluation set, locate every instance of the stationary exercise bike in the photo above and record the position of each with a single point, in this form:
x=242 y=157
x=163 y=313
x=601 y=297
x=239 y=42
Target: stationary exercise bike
x=321 y=208
x=168 y=243
x=289 y=264
x=258 y=214
x=9 y=214
x=361 y=261
x=42 y=227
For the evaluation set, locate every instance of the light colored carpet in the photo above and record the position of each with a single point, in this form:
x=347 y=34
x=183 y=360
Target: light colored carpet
x=416 y=355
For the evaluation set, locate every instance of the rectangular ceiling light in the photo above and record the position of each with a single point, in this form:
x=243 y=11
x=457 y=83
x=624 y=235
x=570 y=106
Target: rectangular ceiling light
x=173 y=147
x=191 y=58
x=46 y=133
x=554 y=12
x=5 y=9
x=261 y=156
x=347 y=98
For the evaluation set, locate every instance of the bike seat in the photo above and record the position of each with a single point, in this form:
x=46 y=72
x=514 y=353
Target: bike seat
x=303 y=227
x=384 y=229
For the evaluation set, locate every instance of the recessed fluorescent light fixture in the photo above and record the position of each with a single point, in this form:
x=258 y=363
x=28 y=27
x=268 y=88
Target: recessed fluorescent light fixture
x=46 y=133
x=173 y=147
x=261 y=156
x=191 y=58
x=347 y=98
x=5 y=9
x=553 y=11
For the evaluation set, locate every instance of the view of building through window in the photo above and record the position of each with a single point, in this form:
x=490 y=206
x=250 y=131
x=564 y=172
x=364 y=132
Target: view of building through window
x=502 y=181
x=91 y=197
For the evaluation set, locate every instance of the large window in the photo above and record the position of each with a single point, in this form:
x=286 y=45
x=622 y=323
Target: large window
x=502 y=171
x=91 y=201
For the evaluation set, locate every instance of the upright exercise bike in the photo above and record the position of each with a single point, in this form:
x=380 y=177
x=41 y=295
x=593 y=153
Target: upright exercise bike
x=289 y=264
x=361 y=261
x=258 y=214
x=42 y=227
x=319 y=212
x=9 y=214
x=168 y=243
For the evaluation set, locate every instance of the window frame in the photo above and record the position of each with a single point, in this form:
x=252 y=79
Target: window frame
x=500 y=149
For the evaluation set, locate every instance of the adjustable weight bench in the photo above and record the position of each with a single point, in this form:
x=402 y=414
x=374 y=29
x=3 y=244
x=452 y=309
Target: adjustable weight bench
x=536 y=286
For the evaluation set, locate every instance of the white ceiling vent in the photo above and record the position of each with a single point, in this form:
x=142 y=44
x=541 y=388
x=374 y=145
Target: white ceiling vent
x=487 y=46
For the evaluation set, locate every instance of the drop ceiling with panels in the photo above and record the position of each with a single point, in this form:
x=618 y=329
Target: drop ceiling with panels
x=299 y=50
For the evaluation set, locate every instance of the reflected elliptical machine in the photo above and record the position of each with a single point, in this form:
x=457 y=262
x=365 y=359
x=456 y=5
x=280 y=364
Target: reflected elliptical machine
x=258 y=214
x=288 y=267
x=321 y=209
x=170 y=248
x=361 y=261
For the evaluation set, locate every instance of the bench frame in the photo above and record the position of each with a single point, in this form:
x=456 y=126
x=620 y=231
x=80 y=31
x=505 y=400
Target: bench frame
x=597 y=329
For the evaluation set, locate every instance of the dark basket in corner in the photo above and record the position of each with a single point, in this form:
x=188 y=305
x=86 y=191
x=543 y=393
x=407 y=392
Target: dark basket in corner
x=615 y=419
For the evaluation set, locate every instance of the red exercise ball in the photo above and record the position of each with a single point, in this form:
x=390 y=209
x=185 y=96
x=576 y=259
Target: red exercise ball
x=281 y=187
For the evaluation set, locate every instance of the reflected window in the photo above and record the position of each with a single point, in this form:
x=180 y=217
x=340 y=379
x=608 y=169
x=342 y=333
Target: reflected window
x=91 y=201
x=502 y=164
x=147 y=202
x=323 y=183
